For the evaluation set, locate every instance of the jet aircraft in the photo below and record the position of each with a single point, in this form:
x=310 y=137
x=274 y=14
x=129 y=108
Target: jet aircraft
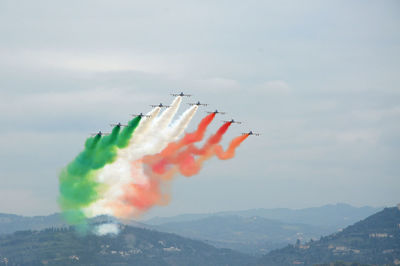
x=217 y=112
x=100 y=134
x=141 y=115
x=232 y=121
x=181 y=94
x=160 y=105
x=198 y=104
x=119 y=125
x=251 y=133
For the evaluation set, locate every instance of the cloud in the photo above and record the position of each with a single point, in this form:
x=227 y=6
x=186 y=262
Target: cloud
x=358 y=136
x=274 y=87
x=83 y=61
x=57 y=107
x=217 y=84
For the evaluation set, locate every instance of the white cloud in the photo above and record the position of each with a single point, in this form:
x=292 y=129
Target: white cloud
x=274 y=87
x=358 y=136
x=72 y=103
x=94 y=61
x=217 y=84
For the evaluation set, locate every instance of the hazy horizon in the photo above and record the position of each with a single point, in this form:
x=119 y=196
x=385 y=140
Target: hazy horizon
x=149 y=215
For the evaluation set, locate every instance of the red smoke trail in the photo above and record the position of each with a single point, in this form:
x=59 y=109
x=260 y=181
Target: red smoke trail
x=214 y=139
x=230 y=152
x=185 y=159
x=189 y=167
x=160 y=160
x=189 y=138
x=138 y=198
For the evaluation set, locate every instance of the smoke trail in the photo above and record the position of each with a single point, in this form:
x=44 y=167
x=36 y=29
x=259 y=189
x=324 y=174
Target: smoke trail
x=138 y=183
x=146 y=139
x=179 y=126
x=187 y=164
x=126 y=134
x=138 y=197
x=164 y=156
x=173 y=155
x=79 y=186
x=190 y=137
x=156 y=140
x=144 y=126
x=105 y=151
x=214 y=139
x=125 y=174
x=166 y=117
x=230 y=152
x=106 y=229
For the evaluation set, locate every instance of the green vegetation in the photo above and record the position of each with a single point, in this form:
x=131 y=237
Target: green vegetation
x=375 y=240
x=133 y=246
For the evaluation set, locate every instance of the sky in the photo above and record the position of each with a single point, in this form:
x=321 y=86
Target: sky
x=319 y=79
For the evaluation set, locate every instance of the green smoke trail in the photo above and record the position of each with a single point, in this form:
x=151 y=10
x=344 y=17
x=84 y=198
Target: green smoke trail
x=78 y=185
x=106 y=150
x=126 y=134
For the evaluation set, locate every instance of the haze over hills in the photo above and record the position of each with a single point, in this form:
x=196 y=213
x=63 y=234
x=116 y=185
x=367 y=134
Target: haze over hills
x=132 y=246
x=374 y=240
x=332 y=216
x=254 y=235
x=245 y=231
x=10 y=223
x=259 y=231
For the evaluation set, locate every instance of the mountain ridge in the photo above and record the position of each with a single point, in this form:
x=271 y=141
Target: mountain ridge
x=374 y=240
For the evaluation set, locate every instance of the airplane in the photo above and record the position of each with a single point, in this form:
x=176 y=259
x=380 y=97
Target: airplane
x=198 y=104
x=217 y=112
x=99 y=134
x=160 y=105
x=251 y=133
x=141 y=115
x=232 y=121
x=119 y=125
x=181 y=94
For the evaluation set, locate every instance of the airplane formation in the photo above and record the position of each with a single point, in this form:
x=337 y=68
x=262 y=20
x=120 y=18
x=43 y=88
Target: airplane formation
x=198 y=103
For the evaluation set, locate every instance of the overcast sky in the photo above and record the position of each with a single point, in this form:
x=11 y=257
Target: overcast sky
x=319 y=79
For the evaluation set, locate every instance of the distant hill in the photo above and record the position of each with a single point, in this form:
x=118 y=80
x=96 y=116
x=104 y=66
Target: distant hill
x=259 y=231
x=10 y=223
x=255 y=235
x=374 y=240
x=331 y=216
x=255 y=231
x=132 y=246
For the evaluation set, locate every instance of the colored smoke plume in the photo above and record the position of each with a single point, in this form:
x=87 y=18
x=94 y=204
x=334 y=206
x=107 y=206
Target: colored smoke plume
x=129 y=171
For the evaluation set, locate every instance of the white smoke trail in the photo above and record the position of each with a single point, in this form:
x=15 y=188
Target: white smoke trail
x=118 y=174
x=156 y=140
x=145 y=124
x=152 y=143
x=178 y=127
x=141 y=131
x=166 y=117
